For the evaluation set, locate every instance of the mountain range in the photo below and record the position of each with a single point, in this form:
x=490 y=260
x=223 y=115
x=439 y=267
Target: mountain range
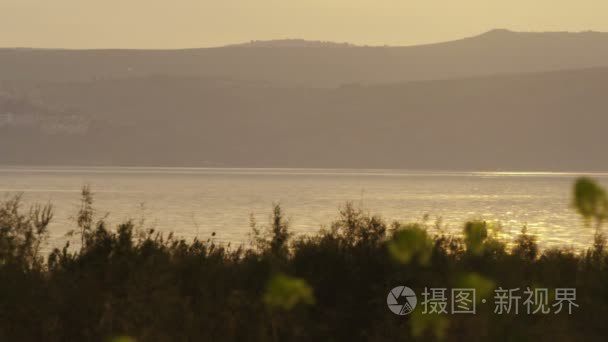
x=502 y=100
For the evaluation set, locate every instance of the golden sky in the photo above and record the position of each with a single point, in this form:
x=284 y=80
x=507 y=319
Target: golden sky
x=200 y=23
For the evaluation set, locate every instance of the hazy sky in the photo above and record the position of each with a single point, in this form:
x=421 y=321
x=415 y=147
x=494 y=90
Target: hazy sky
x=199 y=23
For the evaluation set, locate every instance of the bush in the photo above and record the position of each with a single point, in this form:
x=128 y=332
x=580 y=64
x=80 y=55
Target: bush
x=128 y=284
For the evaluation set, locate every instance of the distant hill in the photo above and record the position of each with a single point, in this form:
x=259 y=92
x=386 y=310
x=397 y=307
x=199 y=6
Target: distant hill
x=319 y=64
x=524 y=121
x=300 y=43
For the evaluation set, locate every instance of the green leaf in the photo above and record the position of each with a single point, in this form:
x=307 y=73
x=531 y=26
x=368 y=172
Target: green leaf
x=475 y=234
x=483 y=286
x=435 y=325
x=409 y=242
x=590 y=200
x=285 y=292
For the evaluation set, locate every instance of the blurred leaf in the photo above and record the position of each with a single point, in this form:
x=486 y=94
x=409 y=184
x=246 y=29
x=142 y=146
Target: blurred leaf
x=435 y=325
x=409 y=242
x=483 y=286
x=590 y=199
x=475 y=233
x=285 y=292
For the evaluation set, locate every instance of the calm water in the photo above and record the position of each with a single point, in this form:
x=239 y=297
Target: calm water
x=196 y=202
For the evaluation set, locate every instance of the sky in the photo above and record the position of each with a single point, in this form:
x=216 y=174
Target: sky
x=165 y=24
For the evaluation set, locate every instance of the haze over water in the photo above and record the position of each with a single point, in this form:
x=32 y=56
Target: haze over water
x=198 y=201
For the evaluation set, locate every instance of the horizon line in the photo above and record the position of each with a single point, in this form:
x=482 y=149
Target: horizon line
x=337 y=170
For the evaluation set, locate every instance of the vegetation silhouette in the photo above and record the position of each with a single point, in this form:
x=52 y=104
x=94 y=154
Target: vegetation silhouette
x=136 y=284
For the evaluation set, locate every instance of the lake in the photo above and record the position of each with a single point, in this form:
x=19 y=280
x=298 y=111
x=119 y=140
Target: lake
x=198 y=201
